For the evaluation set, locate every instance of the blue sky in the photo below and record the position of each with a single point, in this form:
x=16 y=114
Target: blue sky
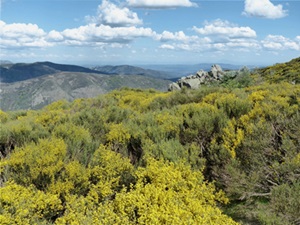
x=136 y=32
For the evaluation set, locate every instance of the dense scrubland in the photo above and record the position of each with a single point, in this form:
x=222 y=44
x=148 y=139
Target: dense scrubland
x=226 y=153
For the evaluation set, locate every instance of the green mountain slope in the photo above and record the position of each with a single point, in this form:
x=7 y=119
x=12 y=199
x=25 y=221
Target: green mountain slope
x=289 y=71
x=23 y=71
x=132 y=70
x=38 y=92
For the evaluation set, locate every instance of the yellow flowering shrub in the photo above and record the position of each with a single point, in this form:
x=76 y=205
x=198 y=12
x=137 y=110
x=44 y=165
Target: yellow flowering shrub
x=258 y=96
x=58 y=105
x=21 y=205
x=163 y=193
x=168 y=123
x=138 y=100
x=37 y=164
x=232 y=137
x=107 y=168
x=3 y=116
x=166 y=193
x=77 y=138
x=118 y=133
x=73 y=179
x=52 y=118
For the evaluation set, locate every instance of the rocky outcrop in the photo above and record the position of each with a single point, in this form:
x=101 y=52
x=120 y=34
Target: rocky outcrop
x=201 y=77
x=216 y=72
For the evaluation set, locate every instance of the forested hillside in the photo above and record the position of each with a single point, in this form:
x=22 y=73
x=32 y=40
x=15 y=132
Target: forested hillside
x=215 y=155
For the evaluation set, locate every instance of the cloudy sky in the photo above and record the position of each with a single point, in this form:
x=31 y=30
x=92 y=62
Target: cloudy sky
x=150 y=31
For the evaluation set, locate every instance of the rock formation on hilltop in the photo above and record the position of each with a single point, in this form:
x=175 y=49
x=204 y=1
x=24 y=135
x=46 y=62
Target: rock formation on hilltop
x=203 y=77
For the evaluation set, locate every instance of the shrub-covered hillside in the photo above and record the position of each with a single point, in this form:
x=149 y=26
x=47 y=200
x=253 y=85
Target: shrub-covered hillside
x=208 y=156
x=288 y=71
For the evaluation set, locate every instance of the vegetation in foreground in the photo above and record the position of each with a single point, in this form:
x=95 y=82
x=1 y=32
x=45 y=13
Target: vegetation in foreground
x=218 y=155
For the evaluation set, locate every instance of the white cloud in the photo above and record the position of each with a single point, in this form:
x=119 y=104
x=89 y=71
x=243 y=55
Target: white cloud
x=181 y=41
x=17 y=35
x=245 y=44
x=226 y=29
x=292 y=45
x=21 y=35
x=264 y=9
x=279 y=42
x=199 y=46
x=272 y=45
x=166 y=46
x=91 y=33
x=187 y=47
x=112 y=15
x=215 y=36
x=160 y=3
x=16 y=30
x=177 y=36
x=219 y=46
x=55 y=36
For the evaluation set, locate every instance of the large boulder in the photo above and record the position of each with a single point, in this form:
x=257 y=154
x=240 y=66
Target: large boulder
x=216 y=72
x=202 y=76
x=192 y=83
x=173 y=87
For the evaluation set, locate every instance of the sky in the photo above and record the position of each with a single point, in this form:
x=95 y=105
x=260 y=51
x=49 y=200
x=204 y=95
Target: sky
x=95 y=32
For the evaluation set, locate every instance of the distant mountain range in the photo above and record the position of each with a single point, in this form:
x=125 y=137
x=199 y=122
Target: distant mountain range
x=34 y=85
x=5 y=62
x=132 y=70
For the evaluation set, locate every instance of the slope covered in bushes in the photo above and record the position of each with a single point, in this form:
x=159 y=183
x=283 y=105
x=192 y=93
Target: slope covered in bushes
x=288 y=71
x=146 y=157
